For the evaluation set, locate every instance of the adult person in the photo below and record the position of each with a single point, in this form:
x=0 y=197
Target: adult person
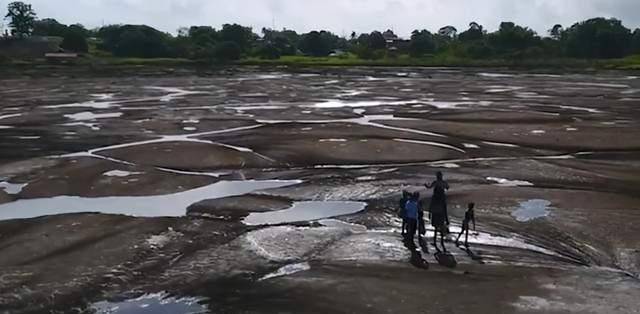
x=438 y=208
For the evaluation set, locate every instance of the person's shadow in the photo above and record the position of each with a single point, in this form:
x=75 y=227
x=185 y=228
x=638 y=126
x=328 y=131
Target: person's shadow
x=473 y=255
x=417 y=261
x=446 y=259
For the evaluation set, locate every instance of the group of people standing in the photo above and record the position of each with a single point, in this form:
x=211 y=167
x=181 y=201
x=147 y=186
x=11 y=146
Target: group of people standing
x=412 y=214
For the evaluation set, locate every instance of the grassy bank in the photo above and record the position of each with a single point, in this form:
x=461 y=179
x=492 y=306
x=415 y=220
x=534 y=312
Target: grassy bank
x=169 y=64
x=629 y=63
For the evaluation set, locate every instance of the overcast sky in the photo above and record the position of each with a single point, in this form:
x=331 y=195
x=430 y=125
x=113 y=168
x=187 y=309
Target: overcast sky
x=339 y=16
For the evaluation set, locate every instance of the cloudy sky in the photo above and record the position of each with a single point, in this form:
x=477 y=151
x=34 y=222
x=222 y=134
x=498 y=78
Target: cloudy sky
x=339 y=16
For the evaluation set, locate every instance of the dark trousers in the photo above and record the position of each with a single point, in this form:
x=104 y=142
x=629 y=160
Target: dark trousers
x=412 y=228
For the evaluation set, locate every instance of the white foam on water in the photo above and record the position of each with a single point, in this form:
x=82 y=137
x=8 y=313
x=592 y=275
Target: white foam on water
x=88 y=116
x=191 y=121
x=305 y=211
x=467 y=145
x=190 y=128
x=28 y=137
x=538 y=132
x=169 y=205
x=5 y=127
x=287 y=270
x=509 y=183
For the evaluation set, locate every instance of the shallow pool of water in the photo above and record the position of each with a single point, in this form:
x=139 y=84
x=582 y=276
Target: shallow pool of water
x=532 y=209
x=169 y=205
x=151 y=303
x=305 y=211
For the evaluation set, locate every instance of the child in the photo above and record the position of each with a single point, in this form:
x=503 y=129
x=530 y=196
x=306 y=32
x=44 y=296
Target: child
x=469 y=216
x=413 y=218
x=401 y=211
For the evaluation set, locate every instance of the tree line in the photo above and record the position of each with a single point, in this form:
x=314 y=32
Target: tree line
x=597 y=38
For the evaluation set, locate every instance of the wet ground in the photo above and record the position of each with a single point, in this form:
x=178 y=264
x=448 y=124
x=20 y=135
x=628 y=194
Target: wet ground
x=275 y=191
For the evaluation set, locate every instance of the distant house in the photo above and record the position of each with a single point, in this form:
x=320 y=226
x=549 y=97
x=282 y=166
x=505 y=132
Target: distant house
x=393 y=41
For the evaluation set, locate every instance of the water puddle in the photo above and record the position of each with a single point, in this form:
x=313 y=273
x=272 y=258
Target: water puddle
x=496 y=75
x=359 y=104
x=509 y=183
x=12 y=188
x=305 y=211
x=151 y=303
x=500 y=144
x=88 y=116
x=428 y=143
x=287 y=270
x=532 y=209
x=92 y=126
x=169 y=205
x=120 y=173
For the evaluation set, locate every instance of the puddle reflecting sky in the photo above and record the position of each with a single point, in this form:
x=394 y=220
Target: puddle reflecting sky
x=531 y=209
x=151 y=304
x=170 y=205
x=305 y=211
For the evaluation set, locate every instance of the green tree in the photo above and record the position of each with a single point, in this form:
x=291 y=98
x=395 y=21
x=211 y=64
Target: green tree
x=315 y=44
x=598 y=38
x=75 y=40
x=22 y=18
x=475 y=32
x=242 y=36
x=556 y=31
x=512 y=38
x=448 y=31
x=49 y=27
x=635 y=42
x=422 y=42
x=138 y=41
x=377 y=41
x=228 y=51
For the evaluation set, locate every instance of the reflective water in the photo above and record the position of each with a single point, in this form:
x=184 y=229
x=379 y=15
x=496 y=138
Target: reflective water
x=531 y=209
x=170 y=205
x=305 y=211
x=151 y=303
